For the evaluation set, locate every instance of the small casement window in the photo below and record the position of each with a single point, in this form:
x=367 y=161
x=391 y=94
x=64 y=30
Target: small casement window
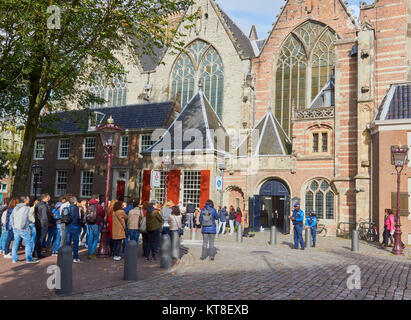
x=320 y=142
x=39 y=147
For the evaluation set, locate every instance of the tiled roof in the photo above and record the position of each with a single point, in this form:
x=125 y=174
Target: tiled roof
x=196 y=123
x=137 y=116
x=149 y=62
x=396 y=104
x=322 y=100
x=267 y=139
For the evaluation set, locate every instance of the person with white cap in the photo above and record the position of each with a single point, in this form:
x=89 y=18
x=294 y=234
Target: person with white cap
x=298 y=221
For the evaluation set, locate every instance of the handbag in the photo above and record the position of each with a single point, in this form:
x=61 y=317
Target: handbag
x=143 y=225
x=180 y=230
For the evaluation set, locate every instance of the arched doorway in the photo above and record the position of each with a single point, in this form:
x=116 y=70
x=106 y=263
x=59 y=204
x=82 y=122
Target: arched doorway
x=272 y=206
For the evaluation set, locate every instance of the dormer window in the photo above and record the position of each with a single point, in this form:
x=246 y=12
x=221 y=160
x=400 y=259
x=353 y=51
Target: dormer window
x=95 y=119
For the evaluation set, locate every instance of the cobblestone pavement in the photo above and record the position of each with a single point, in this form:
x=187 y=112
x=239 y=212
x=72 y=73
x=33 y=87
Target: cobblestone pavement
x=254 y=270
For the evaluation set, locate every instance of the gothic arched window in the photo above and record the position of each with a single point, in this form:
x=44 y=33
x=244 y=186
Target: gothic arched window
x=304 y=66
x=114 y=95
x=320 y=197
x=200 y=62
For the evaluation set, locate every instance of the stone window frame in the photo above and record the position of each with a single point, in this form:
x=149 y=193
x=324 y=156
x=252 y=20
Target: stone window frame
x=320 y=133
x=194 y=59
x=310 y=53
x=65 y=148
x=308 y=188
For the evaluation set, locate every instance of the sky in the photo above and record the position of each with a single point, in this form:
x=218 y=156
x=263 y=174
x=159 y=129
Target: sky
x=262 y=13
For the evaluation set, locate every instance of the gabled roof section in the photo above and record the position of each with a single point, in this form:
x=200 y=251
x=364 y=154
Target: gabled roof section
x=198 y=124
x=240 y=41
x=268 y=138
x=130 y=117
x=325 y=98
x=396 y=105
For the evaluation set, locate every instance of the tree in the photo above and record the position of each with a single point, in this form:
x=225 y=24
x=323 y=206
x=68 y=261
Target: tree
x=52 y=51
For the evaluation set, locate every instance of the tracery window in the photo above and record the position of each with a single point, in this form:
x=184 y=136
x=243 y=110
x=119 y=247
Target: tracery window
x=114 y=95
x=320 y=197
x=304 y=66
x=200 y=62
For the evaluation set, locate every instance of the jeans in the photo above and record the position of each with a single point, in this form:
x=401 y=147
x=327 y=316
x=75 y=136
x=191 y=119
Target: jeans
x=3 y=238
x=145 y=245
x=314 y=234
x=166 y=230
x=18 y=236
x=9 y=239
x=92 y=238
x=51 y=236
x=41 y=235
x=219 y=225
x=33 y=235
x=231 y=227
x=125 y=241
x=190 y=220
x=84 y=233
x=154 y=242
x=298 y=236
x=208 y=245
x=57 y=240
x=117 y=246
x=73 y=233
x=134 y=235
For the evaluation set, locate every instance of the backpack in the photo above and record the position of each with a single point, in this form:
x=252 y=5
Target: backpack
x=91 y=214
x=143 y=224
x=66 y=216
x=56 y=214
x=207 y=218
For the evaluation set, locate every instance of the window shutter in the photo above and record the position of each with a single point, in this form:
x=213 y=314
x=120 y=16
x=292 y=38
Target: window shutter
x=173 y=188
x=145 y=195
x=403 y=203
x=204 y=187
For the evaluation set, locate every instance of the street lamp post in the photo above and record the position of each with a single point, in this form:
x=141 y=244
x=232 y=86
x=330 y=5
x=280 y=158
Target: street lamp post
x=166 y=163
x=109 y=136
x=35 y=168
x=222 y=166
x=399 y=156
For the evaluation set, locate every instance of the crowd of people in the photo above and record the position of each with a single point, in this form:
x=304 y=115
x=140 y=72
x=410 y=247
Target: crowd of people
x=44 y=226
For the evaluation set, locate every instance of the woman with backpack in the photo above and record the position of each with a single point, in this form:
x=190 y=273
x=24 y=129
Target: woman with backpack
x=208 y=216
x=9 y=230
x=119 y=219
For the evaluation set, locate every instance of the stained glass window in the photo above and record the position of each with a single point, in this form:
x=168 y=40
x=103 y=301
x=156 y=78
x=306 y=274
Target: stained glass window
x=200 y=62
x=320 y=197
x=304 y=66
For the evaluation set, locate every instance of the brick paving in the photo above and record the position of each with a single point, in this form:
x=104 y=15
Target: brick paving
x=254 y=270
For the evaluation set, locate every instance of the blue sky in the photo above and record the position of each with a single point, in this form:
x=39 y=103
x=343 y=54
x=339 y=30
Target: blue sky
x=261 y=13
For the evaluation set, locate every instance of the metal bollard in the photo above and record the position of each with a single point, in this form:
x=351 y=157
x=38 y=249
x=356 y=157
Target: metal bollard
x=165 y=252
x=240 y=233
x=193 y=234
x=65 y=263
x=130 y=261
x=308 y=239
x=175 y=245
x=273 y=235
x=355 y=241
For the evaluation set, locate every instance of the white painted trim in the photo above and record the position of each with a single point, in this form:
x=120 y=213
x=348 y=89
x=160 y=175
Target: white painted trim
x=256 y=153
x=276 y=130
x=59 y=149
x=387 y=102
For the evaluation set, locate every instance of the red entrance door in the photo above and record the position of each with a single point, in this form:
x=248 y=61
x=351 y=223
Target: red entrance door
x=121 y=188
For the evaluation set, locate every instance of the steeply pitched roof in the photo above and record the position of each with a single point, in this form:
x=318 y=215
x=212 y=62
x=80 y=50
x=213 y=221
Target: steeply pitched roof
x=196 y=123
x=241 y=42
x=268 y=138
x=137 y=116
x=148 y=62
x=322 y=99
x=396 y=104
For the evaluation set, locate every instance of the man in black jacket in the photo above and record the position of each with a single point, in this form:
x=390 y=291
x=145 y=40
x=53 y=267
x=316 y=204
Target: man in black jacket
x=41 y=223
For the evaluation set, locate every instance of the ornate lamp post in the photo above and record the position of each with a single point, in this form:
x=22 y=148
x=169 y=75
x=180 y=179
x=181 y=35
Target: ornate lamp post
x=399 y=156
x=36 y=169
x=110 y=136
x=166 y=164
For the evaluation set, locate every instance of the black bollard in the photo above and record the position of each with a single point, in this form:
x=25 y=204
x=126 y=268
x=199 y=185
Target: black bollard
x=165 y=252
x=354 y=241
x=175 y=245
x=308 y=239
x=65 y=263
x=130 y=261
x=273 y=235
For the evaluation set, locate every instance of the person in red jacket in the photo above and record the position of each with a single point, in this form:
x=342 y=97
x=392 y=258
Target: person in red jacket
x=388 y=228
x=238 y=215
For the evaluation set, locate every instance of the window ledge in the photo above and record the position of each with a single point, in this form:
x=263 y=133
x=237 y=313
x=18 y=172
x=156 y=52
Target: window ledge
x=316 y=157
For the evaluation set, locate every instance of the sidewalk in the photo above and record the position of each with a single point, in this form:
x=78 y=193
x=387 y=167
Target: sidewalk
x=29 y=281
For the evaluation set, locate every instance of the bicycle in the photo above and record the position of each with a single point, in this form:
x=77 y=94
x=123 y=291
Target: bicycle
x=367 y=230
x=321 y=228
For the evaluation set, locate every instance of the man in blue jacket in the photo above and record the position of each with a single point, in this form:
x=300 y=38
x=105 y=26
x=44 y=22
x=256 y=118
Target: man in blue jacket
x=73 y=229
x=208 y=216
x=298 y=221
x=312 y=223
